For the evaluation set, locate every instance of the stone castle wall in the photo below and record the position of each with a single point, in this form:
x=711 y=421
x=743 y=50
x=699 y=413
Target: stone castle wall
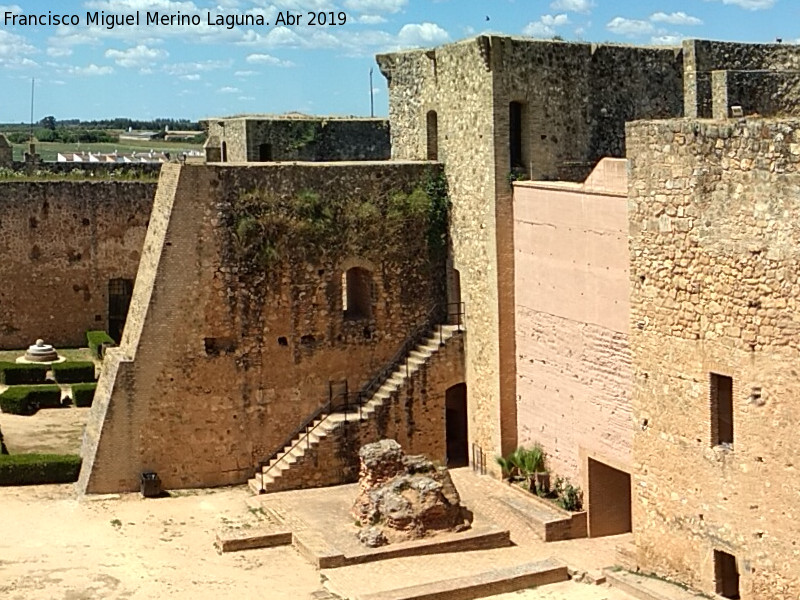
x=714 y=285
x=313 y=139
x=222 y=359
x=762 y=93
x=456 y=83
x=572 y=315
x=576 y=98
x=62 y=242
x=702 y=57
x=414 y=417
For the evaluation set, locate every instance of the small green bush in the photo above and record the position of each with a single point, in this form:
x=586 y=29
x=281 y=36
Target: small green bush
x=22 y=373
x=83 y=394
x=569 y=497
x=27 y=400
x=74 y=372
x=31 y=469
x=96 y=339
x=3 y=449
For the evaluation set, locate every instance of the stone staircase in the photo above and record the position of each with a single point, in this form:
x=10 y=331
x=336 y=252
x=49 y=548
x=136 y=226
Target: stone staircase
x=271 y=477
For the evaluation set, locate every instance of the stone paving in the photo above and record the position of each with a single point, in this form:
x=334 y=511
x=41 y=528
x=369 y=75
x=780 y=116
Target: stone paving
x=483 y=495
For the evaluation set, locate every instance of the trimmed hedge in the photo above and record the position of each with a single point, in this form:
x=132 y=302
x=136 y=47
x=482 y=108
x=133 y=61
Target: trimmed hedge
x=96 y=339
x=27 y=400
x=12 y=373
x=31 y=469
x=83 y=394
x=73 y=372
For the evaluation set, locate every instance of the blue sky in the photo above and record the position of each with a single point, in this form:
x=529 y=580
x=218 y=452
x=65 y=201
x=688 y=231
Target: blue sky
x=193 y=71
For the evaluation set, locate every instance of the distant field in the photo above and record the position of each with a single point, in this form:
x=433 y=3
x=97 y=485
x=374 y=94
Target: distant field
x=50 y=150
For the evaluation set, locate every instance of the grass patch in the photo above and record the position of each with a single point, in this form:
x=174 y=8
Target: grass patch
x=74 y=372
x=12 y=373
x=27 y=400
x=32 y=469
x=83 y=394
x=97 y=340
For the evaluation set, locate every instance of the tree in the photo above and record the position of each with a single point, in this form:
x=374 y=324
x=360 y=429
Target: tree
x=48 y=122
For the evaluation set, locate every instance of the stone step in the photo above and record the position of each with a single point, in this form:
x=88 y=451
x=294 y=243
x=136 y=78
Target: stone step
x=255 y=486
x=322 y=426
x=647 y=587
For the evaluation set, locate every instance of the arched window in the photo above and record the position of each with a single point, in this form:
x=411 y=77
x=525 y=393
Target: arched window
x=224 y=151
x=432 y=122
x=357 y=294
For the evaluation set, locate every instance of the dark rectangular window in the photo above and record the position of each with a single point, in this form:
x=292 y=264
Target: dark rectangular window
x=515 y=135
x=721 y=392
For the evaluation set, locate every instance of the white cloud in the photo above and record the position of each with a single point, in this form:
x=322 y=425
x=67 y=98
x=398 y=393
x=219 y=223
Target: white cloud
x=132 y=6
x=138 y=56
x=666 y=40
x=178 y=69
x=245 y=73
x=14 y=50
x=90 y=70
x=371 y=19
x=578 y=6
x=246 y=98
x=13 y=8
x=229 y=90
x=422 y=34
x=268 y=59
x=749 y=4
x=545 y=27
x=629 y=27
x=57 y=52
x=676 y=18
x=375 y=6
x=192 y=77
x=301 y=4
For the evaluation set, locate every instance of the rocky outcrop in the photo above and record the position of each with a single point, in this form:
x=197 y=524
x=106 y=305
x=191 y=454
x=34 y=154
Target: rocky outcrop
x=404 y=497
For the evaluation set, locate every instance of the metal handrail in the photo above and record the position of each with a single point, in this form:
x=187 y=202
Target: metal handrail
x=367 y=391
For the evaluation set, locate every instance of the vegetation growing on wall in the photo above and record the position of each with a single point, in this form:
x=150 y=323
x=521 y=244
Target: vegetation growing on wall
x=270 y=228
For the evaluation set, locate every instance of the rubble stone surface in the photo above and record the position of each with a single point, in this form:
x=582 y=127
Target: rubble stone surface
x=404 y=497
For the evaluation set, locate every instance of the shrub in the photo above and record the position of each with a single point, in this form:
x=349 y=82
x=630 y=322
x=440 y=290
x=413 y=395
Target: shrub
x=22 y=373
x=570 y=497
x=3 y=449
x=74 y=372
x=96 y=340
x=27 y=400
x=523 y=463
x=83 y=394
x=31 y=469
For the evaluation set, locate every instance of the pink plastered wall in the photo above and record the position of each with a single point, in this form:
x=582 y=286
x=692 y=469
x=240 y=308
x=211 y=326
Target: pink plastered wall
x=572 y=319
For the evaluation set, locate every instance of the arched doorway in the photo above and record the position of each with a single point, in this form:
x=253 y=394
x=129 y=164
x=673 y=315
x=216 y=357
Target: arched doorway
x=456 y=425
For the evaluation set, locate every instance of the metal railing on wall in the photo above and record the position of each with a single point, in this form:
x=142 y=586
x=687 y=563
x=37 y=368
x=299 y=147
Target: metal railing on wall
x=478 y=461
x=345 y=402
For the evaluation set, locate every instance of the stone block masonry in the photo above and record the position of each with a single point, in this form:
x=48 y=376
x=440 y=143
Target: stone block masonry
x=299 y=137
x=572 y=316
x=232 y=342
x=494 y=107
x=714 y=282
x=62 y=242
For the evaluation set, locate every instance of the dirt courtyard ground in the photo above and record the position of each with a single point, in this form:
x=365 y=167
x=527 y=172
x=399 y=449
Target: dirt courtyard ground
x=56 y=547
